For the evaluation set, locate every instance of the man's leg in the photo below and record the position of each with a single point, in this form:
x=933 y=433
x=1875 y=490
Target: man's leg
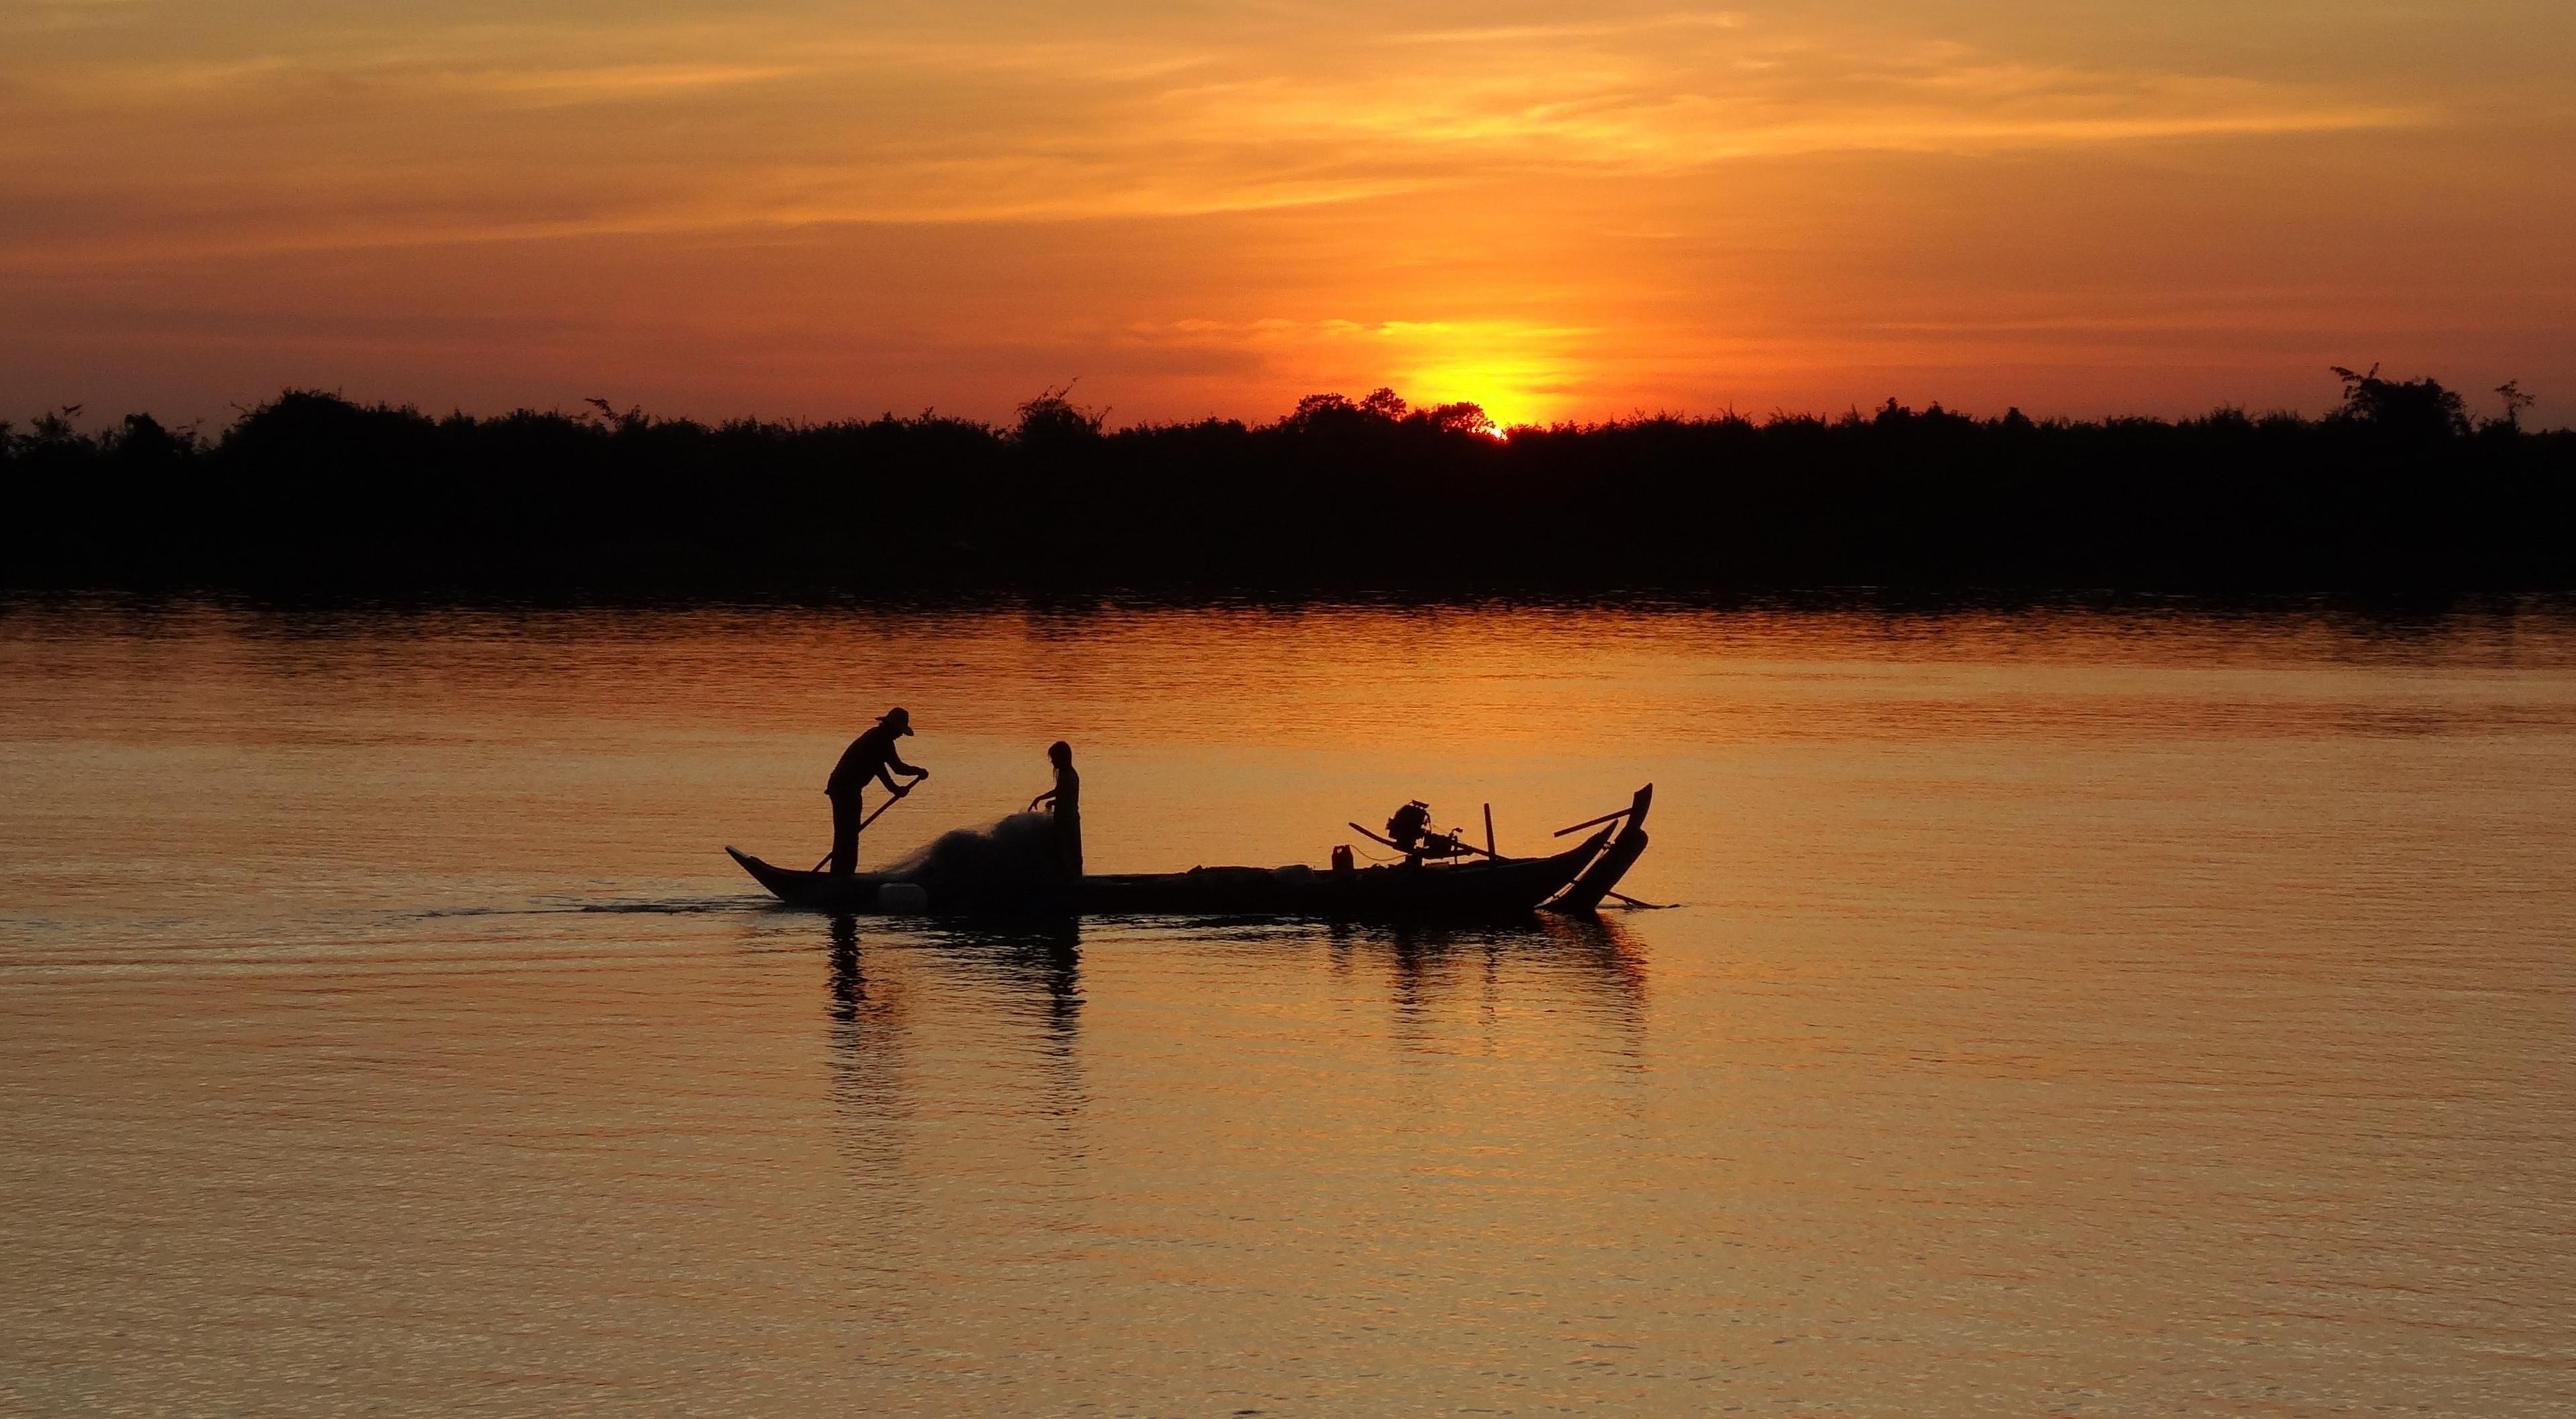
x=845 y=831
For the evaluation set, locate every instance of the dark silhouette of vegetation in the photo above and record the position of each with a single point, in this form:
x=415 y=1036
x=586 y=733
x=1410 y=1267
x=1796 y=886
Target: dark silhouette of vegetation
x=2418 y=410
x=2398 y=488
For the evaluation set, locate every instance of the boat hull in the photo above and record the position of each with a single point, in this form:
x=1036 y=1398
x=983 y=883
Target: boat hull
x=1462 y=889
x=1466 y=889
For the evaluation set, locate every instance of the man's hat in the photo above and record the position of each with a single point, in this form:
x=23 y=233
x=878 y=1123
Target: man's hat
x=901 y=721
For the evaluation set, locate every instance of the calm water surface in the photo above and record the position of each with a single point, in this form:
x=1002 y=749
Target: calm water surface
x=2067 y=1013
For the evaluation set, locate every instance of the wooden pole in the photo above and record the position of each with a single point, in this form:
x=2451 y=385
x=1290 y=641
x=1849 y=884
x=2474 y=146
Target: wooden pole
x=1593 y=822
x=1489 y=832
x=891 y=801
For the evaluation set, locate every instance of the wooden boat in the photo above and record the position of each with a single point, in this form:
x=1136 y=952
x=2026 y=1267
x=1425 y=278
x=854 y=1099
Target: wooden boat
x=1576 y=879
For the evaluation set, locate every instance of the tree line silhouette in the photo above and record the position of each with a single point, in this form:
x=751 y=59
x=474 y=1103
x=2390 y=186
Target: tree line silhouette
x=2398 y=488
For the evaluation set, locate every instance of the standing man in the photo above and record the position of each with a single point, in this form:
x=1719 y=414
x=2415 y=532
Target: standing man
x=871 y=755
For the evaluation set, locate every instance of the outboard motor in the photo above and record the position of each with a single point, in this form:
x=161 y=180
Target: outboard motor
x=1410 y=825
x=1410 y=829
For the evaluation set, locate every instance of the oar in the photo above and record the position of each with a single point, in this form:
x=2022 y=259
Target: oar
x=1636 y=905
x=863 y=822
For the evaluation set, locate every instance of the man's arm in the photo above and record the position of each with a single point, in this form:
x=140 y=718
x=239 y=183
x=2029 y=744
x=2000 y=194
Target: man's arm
x=886 y=771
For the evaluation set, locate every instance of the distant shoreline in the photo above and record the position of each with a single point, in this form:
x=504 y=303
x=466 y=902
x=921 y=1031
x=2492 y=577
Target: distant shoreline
x=313 y=497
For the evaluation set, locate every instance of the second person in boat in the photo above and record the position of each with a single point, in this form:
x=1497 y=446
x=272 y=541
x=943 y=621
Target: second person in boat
x=1064 y=801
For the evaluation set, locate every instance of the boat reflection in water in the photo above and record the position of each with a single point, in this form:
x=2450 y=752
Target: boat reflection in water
x=922 y=1013
x=1581 y=966
x=914 y=1007
x=1045 y=1112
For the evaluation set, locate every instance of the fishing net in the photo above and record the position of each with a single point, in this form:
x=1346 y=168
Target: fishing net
x=971 y=864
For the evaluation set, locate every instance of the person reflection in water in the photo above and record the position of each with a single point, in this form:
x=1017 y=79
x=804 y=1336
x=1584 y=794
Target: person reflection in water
x=1065 y=801
x=871 y=755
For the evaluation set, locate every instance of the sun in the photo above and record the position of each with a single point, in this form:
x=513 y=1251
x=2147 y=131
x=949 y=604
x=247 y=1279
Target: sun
x=1505 y=393
x=1515 y=376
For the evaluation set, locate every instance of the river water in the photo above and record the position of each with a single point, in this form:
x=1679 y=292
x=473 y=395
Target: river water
x=2064 y=1012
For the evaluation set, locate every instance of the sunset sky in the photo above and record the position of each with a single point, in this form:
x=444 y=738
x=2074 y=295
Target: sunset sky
x=797 y=208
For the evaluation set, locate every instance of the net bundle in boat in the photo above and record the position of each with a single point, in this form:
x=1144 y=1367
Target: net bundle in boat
x=968 y=864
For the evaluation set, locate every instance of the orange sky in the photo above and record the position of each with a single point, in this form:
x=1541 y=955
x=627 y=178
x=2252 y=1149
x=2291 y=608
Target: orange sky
x=790 y=207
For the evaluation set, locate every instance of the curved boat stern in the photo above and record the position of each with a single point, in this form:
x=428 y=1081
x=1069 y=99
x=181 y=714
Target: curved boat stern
x=1598 y=879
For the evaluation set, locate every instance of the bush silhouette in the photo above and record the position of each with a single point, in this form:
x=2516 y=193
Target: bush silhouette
x=2417 y=408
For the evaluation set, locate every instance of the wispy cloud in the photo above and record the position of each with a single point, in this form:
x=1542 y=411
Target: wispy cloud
x=488 y=132
x=1660 y=112
x=1592 y=30
x=618 y=81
